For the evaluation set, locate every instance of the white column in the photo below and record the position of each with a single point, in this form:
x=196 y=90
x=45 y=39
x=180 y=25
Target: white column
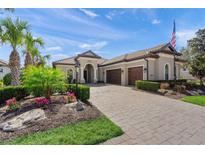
x=82 y=80
x=95 y=75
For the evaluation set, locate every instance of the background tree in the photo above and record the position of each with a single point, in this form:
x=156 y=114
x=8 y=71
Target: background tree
x=31 y=45
x=12 y=32
x=197 y=67
x=38 y=59
x=195 y=55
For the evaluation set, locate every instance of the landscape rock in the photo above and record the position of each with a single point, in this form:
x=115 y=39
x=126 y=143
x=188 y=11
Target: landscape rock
x=23 y=120
x=78 y=106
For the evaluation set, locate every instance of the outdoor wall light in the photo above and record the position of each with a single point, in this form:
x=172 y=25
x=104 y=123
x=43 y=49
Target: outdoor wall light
x=145 y=70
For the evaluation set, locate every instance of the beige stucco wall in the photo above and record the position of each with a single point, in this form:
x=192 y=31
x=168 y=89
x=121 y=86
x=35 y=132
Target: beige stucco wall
x=152 y=68
x=160 y=64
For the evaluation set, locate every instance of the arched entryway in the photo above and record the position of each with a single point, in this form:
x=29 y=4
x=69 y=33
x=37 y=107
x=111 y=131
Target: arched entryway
x=89 y=73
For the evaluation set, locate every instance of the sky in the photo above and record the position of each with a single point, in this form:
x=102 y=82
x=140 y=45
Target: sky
x=107 y=32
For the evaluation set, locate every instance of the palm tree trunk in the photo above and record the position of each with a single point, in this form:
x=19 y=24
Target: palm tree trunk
x=14 y=64
x=28 y=59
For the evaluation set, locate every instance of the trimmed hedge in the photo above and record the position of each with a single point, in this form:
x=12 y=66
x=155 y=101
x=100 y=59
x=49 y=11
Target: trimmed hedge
x=83 y=91
x=12 y=91
x=147 y=85
x=171 y=81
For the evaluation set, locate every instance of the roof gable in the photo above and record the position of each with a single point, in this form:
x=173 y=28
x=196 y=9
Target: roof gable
x=89 y=53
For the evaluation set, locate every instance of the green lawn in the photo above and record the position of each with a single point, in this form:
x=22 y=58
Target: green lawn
x=86 y=132
x=199 y=100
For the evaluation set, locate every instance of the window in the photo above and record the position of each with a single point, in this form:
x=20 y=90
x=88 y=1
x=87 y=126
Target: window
x=1 y=70
x=166 y=72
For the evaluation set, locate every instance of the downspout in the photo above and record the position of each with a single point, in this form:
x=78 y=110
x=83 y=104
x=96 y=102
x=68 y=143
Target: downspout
x=147 y=68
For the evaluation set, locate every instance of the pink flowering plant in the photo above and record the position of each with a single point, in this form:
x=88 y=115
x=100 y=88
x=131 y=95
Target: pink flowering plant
x=71 y=97
x=41 y=101
x=12 y=104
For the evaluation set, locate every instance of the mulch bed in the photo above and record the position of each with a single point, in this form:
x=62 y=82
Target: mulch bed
x=56 y=116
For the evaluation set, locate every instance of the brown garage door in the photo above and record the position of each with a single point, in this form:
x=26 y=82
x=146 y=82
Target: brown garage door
x=135 y=73
x=114 y=76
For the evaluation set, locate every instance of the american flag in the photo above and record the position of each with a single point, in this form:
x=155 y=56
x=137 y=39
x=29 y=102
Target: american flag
x=173 y=41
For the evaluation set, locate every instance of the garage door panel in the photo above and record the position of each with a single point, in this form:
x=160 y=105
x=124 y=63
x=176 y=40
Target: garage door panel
x=135 y=73
x=114 y=76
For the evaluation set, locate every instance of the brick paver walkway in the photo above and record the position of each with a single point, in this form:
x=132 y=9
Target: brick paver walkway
x=150 y=119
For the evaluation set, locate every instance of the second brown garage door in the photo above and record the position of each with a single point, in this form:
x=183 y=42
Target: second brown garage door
x=135 y=73
x=114 y=76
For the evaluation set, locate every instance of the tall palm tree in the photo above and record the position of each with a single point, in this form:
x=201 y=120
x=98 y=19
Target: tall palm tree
x=31 y=44
x=13 y=33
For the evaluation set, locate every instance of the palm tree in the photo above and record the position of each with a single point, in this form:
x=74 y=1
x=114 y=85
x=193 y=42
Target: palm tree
x=31 y=45
x=43 y=60
x=12 y=32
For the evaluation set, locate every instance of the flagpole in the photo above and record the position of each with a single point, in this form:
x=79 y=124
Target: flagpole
x=175 y=77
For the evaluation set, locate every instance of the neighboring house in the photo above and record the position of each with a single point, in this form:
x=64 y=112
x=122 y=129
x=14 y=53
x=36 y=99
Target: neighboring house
x=4 y=69
x=155 y=63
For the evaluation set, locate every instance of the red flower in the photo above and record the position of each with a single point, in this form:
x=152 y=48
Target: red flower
x=41 y=101
x=11 y=101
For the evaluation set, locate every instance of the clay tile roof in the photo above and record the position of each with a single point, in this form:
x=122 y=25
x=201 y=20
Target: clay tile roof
x=133 y=55
x=66 y=61
x=149 y=52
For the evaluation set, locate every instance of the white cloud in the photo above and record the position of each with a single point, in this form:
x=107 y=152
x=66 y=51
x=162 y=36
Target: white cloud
x=89 y=13
x=184 y=35
x=114 y=13
x=109 y=17
x=58 y=56
x=94 y=46
x=55 y=48
x=156 y=21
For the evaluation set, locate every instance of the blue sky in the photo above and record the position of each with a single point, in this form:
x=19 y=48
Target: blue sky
x=108 y=32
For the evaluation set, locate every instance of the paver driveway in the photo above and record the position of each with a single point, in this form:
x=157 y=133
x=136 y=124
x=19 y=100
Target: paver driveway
x=148 y=118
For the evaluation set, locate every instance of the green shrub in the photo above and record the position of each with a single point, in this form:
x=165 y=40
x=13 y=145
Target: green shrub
x=147 y=85
x=172 y=83
x=7 y=79
x=83 y=91
x=9 y=92
x=1 y=84
x=43 y=81
x=192 y=85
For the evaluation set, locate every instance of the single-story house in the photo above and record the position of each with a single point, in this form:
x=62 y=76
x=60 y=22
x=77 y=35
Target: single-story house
x=4 y=69
x=155 y=63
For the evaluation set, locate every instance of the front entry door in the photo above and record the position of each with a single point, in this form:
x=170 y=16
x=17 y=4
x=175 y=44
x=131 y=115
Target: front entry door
x=86 y=76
